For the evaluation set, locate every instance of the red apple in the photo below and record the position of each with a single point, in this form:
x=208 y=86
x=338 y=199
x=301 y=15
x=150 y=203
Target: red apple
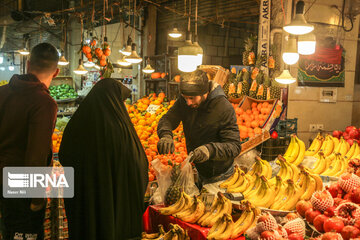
x=346 y=136
x=331 y=236
x=350 y=232
x=295 y=236
x=274 y=135
x=319 y=222
x=302 y=206
x=311 y=214
x=333 y=224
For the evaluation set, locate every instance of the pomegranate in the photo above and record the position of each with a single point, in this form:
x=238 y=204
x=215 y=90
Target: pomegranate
x=310 y=215
x=350 y=232
x=350 y=141
x=355 y=195
x=302 y=206
x=333 y=224
x=331 y=236
x=337 y=134
x=291 y=216
x=349 y=128
x=322 y=200
x=349 y=181
x=252 y=234
x=266 y=222
x=295 y=236
x=330 y=211
x=354 y=134
x=347 y=197
x=346 y=136
x=282 y=231
x=295 y=226
x=357 y=224
x=348 y=212
x=269 y=235
x=338 y=201
x=319 y=222
x=335 y=190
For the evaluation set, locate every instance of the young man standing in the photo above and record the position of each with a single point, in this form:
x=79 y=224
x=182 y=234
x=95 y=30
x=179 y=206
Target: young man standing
x=27 y=121
x=210 y=127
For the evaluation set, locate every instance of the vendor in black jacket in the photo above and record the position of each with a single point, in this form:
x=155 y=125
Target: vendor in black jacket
x=210 y=127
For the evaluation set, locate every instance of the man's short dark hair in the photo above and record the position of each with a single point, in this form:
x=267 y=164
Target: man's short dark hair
x=43 y=58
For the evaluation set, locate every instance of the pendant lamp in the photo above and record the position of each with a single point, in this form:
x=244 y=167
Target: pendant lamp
x=148 y=69
x=290 y=54
x=175 y=33
x=285 y=78
x=307 y=44
x=298 y=25
x=134 y=57
x=63 y=61
x=80 y=69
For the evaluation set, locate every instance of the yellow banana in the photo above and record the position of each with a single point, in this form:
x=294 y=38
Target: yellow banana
x=356 y=153
x=315 y=146
x=343 y=167
x=245 y=185
x=295 y=170
x=301 y=154
x=253 y=186
x=268 y=169
x=336 y=143
x=226 y=207
x=240 y=227
x=290 y=148
x=319 y=183
x=293 y=199
x=344 y=147
x=238 y=183
x=295 y=151
x=213 y=207
x=231 y=180
x=219 y=226
x=285 y=197
x=226 y=234
x=198 y=210
x=215 y=214
x=322 y=163
x=310 y=186
x=334 y=167
x=351 y=152
x=176 y=207
x=328 y=147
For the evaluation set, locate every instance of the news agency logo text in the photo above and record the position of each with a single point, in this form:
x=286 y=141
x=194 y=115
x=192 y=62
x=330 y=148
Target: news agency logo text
x=25 y=182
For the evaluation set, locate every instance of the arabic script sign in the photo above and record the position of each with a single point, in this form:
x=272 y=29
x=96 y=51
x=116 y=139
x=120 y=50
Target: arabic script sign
x=318 y=70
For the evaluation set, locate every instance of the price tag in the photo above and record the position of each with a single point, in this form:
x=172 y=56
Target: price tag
x=152 y=108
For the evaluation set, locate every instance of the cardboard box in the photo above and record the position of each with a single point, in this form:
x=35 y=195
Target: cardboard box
x=216 y=73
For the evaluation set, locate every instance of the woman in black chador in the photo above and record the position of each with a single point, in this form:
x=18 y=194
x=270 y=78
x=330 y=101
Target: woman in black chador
x=111 y=168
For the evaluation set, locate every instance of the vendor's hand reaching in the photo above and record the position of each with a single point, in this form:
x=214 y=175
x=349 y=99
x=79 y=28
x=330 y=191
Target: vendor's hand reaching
x=166 y=145
x=200 y=155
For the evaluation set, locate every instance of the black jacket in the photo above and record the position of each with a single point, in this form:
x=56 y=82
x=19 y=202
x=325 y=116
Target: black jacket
x=27 y=121
x=213 y=124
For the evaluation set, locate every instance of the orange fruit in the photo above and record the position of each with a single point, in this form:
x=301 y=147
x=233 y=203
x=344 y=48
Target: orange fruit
x=254 y=124
x=257 y=130
x=253 y=105
x=265 y=104
x=248 y=111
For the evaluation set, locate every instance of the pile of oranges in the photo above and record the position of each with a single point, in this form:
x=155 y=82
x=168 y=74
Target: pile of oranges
x=251 y=120
x=145 y=124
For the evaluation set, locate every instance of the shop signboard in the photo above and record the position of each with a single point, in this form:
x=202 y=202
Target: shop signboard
x=264 y=33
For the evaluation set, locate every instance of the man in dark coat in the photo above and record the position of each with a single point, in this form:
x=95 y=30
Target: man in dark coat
x=210 y=127
x=27 y=121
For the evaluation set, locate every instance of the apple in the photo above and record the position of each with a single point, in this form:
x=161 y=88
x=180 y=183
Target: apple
x=350 y=141
x=346 y=136
x=354 y=134
x=350 y=232
x=295 y=236
x=349 y=128
x=302 y=206
x=333 y=224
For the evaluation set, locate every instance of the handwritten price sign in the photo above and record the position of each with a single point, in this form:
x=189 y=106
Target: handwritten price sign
x=152 y=108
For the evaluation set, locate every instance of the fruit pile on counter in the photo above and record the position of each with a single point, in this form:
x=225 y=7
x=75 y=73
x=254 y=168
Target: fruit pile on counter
x=63 y=92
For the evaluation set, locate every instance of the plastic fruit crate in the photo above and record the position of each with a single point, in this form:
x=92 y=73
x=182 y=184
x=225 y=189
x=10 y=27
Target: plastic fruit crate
x=286 y=127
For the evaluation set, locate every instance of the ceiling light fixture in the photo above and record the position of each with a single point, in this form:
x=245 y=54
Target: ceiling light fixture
x=307 y=44
x=89 y=64
x=134 y=57
x=285 y=78
x=298 y=25
x=148 y=69
x=80 y=69
x=127 y=50
x=175 y=33
x=290 y=54
x=24 y=52
x=63 y=61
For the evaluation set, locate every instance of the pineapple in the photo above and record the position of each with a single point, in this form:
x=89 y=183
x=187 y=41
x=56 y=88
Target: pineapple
x=248 y=54
x=226 y=88
x=173 y=193
x=261 y=92
x=243 y=88
x=275 y=90
x=253 y=89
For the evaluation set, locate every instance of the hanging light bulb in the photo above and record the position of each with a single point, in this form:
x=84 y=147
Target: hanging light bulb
x=290 y=54
x=89 y=64
x=2 y=68
x=11 y=68
x=307 y=44
x=285 y=78
x=123 y=62
x=127 y=50
x=134 y=57
x=188 y=56
x=63 y=61
x=24 y=51
x=80 y=70
x=148 y=69
x=175 y=33
x=298 y=25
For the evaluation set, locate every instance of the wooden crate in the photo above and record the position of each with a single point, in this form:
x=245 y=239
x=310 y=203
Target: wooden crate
x=255 y=141
x=216 y=73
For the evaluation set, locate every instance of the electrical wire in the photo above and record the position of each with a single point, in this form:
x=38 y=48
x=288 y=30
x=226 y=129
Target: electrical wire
x=283 y=10
x=310 y=7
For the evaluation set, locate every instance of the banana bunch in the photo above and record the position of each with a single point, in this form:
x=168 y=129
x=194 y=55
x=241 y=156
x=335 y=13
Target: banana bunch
x=287 y=171
x=161 y=233
x=220 y=206
x=353 y=152
x=222 y=229
x=329 y=145
x=337 y=167
x=246 y=220
x=3 y=82
x=315 y=145
x=261 y=167
x=296 y=151
x=175 y=233
x=288 y=199
x=263 y=195
x=182 y=203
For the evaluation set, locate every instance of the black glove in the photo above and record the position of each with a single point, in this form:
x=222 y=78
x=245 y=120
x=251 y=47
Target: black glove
x=166 y=145
x=200 y=154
